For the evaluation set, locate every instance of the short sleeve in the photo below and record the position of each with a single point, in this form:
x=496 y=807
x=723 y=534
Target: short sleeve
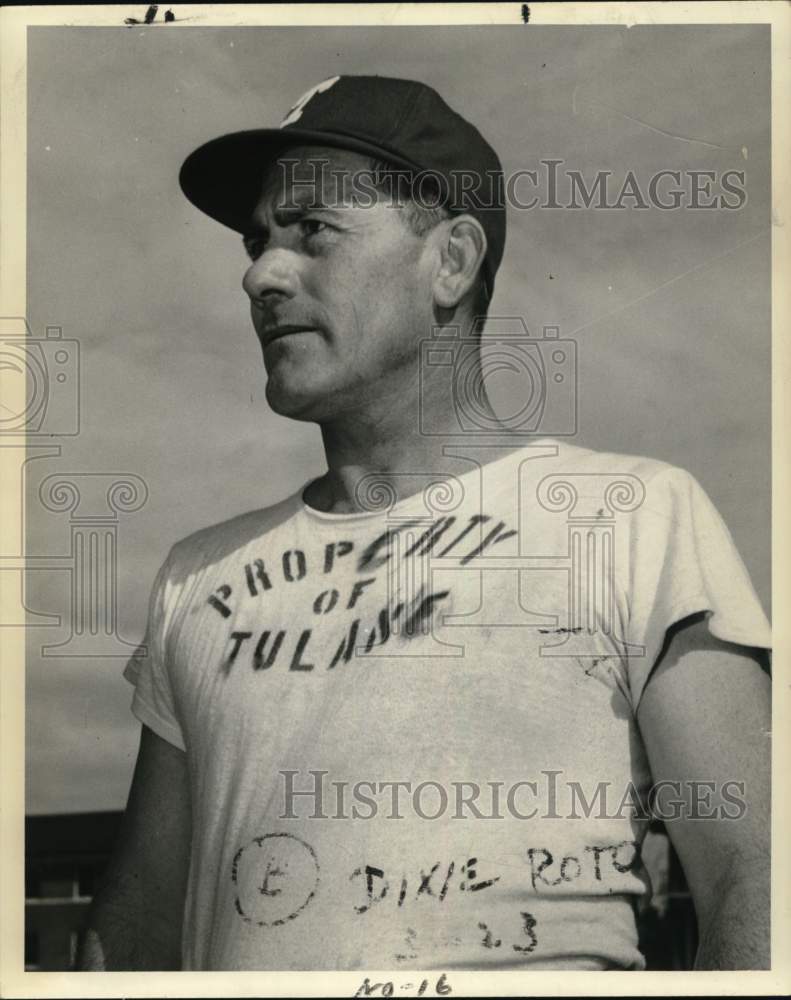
x=682 y=560
x=153 y=702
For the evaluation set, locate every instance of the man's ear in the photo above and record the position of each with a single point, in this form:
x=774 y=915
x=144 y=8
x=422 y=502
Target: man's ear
x=462 y=250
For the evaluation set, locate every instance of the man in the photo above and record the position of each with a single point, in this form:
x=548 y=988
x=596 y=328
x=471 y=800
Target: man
x=408 y=716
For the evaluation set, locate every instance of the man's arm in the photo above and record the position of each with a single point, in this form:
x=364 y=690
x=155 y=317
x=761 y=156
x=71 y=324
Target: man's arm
x=134 y=922
x=705 y=715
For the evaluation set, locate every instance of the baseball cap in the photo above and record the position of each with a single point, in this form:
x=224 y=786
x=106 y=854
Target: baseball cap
x=403 y=122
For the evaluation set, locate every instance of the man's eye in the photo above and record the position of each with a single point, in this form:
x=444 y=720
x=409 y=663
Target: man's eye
x=312 y=227
x=256 y=245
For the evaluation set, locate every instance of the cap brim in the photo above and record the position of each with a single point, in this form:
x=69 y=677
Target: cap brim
x=224 y=177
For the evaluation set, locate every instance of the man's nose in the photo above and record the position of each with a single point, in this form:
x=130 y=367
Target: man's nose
x=273 y=273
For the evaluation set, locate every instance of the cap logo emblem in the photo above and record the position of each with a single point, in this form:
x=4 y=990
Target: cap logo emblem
x=296 y=112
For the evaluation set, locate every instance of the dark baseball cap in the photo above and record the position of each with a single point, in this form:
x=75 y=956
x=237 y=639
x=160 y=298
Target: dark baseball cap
x=402 y=122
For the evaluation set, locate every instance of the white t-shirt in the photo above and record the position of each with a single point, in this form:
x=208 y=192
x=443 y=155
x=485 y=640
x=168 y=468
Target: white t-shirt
x=452 y=682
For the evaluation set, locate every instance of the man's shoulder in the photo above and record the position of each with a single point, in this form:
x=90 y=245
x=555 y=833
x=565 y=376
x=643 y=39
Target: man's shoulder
x=572 y=478
x=573 y=459
x=215 y=542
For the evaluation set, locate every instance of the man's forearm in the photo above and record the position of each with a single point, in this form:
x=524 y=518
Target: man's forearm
x=737 y=931
x=124 y=933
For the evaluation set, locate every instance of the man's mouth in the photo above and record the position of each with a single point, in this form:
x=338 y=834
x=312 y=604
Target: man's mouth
x=273 y=333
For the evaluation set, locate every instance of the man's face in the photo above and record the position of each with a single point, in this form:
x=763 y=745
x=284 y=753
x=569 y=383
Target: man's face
x=340 y=295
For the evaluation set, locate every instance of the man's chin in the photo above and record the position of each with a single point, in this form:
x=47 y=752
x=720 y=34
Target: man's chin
x=297 y=403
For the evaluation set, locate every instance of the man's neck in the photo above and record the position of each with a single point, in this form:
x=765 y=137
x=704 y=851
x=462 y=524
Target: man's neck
x=399 y=448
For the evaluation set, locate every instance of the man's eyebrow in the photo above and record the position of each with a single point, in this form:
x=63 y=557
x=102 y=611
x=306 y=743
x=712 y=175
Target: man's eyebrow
x=287 y=213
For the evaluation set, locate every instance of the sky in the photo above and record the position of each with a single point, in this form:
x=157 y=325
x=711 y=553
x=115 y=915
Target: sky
x=670 y=310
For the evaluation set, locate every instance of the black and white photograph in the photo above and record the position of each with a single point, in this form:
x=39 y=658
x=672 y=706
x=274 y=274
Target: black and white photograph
x=388 y=489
